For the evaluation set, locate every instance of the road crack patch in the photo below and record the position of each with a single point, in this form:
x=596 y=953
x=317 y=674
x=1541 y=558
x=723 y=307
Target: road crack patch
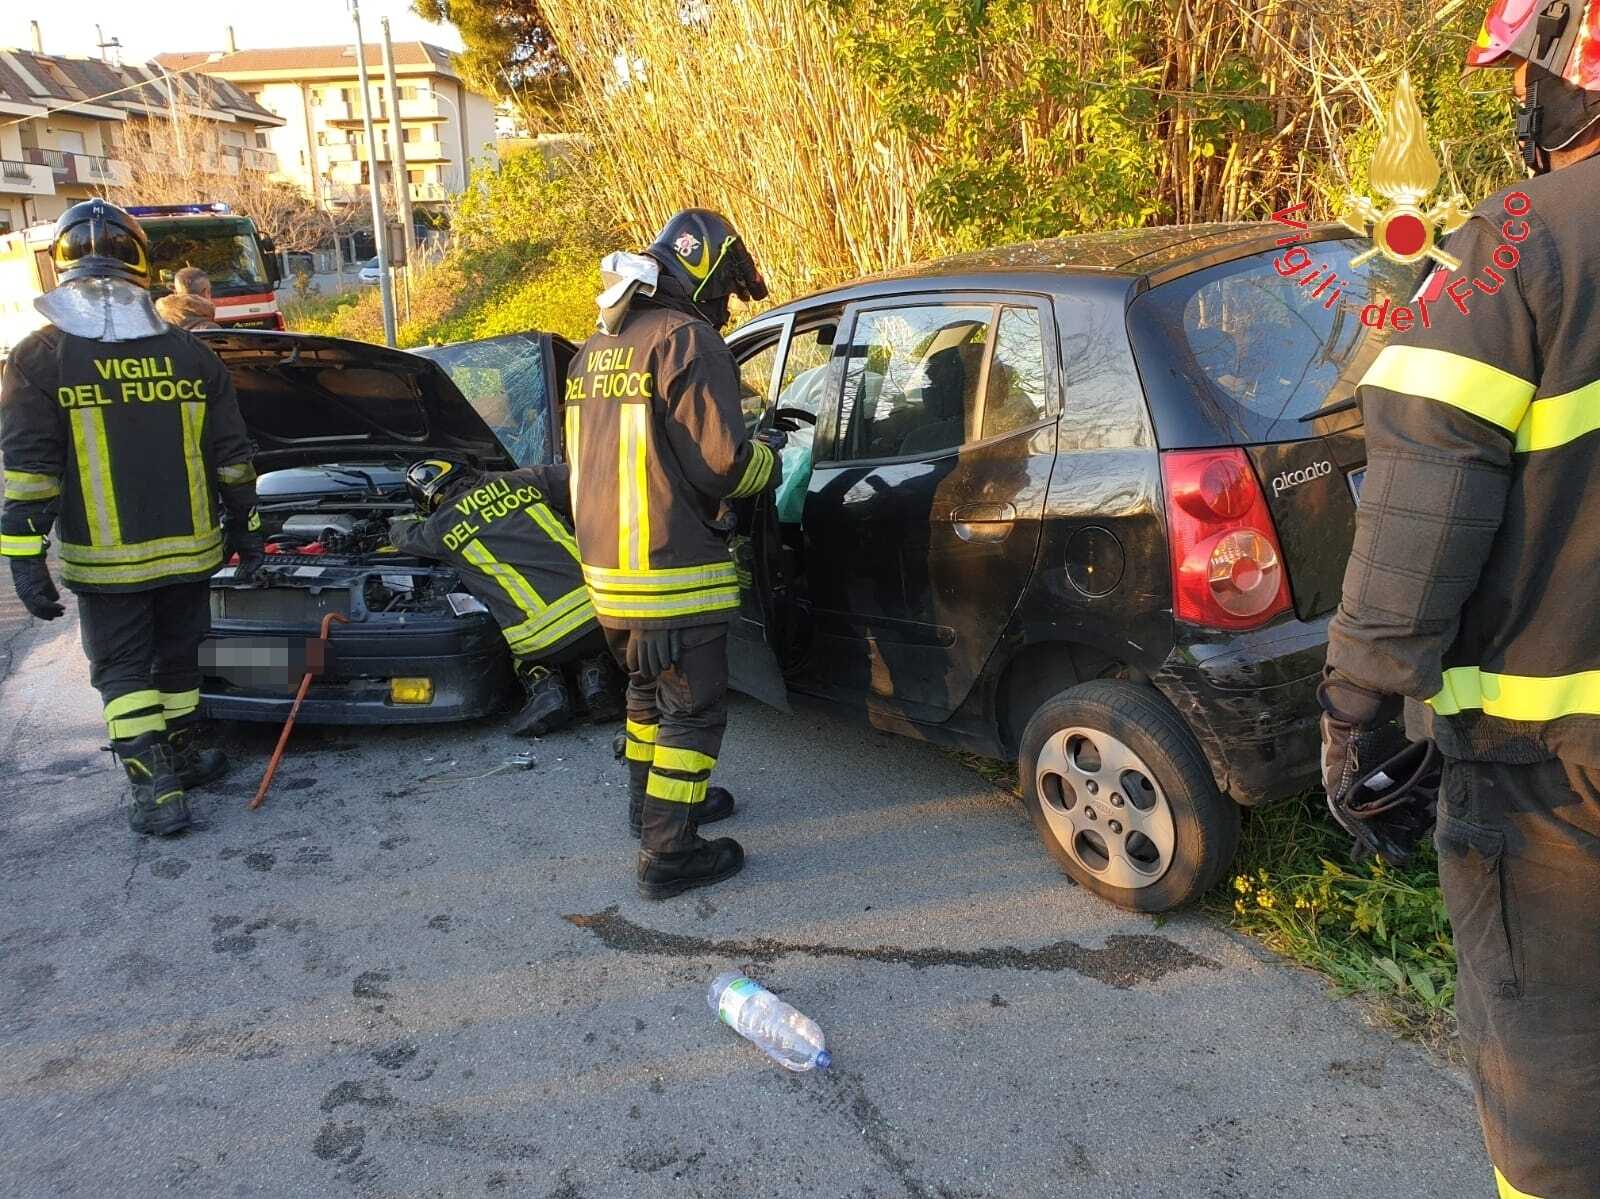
x=1124 y=962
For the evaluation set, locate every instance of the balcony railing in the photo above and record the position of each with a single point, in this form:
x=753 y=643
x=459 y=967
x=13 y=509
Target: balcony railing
x=90 y=170
x=259 y=160
x=26 y=179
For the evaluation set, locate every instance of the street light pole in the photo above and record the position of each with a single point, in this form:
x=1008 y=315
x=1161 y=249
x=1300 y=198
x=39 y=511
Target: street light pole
x=384 y=283
x=398 y=173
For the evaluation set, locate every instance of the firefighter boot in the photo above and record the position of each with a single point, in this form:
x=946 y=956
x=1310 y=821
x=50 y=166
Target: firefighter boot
x=600 y=688
x=717 y=805
x=196 y=764
x=159 y=805
x=673 y=859
x=549 y=705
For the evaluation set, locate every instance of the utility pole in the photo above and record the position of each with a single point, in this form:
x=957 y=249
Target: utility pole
x=402 y=180
x=384 y=283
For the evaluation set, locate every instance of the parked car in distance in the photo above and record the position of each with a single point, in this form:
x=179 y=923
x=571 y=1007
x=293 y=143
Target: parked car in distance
x=369 y=272
x=335 y=424
x=1085 y=504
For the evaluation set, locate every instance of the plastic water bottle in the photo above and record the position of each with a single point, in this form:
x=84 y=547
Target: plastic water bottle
x=792 y=1040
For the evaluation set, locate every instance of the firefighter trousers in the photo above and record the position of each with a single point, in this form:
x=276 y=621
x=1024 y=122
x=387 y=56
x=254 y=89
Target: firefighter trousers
x=1519 y=861
x=144 y=653
x=675 y=721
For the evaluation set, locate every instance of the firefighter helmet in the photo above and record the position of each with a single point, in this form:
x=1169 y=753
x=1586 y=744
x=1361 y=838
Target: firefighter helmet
x=710 y=259
x=94 y=239
x=432 y=480
x=1560 y=42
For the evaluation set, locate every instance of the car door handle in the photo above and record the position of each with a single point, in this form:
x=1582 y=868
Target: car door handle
x=984 y=522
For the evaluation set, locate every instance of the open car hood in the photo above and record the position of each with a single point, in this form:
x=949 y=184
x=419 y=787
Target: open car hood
x=309 y=400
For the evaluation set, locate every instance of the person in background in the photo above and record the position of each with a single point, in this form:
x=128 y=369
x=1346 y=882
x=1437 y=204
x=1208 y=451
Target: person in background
x=190 y=306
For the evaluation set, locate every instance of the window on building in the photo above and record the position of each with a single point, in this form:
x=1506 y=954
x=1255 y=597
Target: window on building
x=322 y=137
x=413 y=134
x=417 y=176
x=263 y=142
x=316 y=96
x=5 y=220
x=70 y=140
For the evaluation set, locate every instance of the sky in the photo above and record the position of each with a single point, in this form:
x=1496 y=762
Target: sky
x=149 y=27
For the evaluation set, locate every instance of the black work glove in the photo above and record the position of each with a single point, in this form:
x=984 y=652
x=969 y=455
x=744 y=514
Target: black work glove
x=35 y=588
x=251 y=548
x=652 y=652
x=1359 y=733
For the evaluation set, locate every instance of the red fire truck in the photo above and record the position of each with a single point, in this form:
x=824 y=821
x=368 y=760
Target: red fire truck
x=240 y=261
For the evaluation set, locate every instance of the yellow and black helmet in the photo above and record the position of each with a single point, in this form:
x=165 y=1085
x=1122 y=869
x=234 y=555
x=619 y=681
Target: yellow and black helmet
x=432 y=480
x=94 y=239
x=709 y=258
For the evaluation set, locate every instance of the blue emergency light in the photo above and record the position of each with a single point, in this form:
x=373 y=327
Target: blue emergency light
x=176 y=209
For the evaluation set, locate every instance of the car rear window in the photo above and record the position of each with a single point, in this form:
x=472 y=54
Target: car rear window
x=1238 y=353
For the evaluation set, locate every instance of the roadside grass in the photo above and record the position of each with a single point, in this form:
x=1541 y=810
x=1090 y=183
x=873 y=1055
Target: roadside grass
x=1375 y=931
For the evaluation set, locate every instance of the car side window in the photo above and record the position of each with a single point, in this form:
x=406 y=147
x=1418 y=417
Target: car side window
x=755 y=382
x=1016 y=396
x=913 y=380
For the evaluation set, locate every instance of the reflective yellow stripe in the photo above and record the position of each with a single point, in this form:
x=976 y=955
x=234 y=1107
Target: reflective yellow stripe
x=552 y=624
x=687 y=761
x=689 y=603
x=20 y=547
x=1556 y=420
x=1507 y=1191
x=25 y=485
x=134 y=714
x=239 y=472
x=144 y=572
x=517 y=588
x=633 y=499
x=1497 y=396
x=179 y=703
x=670 y=578
x=756 y=472
x=643 y=732
x=547 y=520
x=572 y=459
x=94 y=476
x=140 y=551
x=639 y=753
x=1518 y=697
x=194 y=463
x=675 y=790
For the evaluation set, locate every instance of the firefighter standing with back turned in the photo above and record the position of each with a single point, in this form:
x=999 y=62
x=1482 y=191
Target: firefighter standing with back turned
x=657 y=444
x=122 y=433
x=1471 y=595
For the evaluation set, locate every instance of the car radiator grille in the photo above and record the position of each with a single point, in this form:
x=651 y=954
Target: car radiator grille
x=278 y=605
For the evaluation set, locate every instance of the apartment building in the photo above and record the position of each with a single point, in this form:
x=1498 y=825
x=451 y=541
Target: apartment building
x=64 y=120
x=321 y=145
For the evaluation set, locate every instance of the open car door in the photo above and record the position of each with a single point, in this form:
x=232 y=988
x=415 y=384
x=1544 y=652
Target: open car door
x=758 y=633
x=512 y=382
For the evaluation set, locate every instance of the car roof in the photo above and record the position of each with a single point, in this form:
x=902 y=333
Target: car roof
x=1133 y=259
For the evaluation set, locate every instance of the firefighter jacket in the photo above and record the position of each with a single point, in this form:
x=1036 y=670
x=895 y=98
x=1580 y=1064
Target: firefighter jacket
x=509 y=539
x=657 y=443
x=1471 y=585
x=127 y=448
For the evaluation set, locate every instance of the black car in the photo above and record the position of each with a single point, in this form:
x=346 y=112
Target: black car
x=1082 y=503
x=336 y=423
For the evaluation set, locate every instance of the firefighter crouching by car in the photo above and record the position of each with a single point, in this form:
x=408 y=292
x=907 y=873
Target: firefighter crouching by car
x=1472 y=589
x=658 y=444
x=508 y=535
x=122 y=433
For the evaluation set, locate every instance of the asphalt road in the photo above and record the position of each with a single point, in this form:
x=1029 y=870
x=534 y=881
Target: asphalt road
x=380 y=987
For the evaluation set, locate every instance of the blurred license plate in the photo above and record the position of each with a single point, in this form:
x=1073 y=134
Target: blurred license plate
x=253 y=662
x=1357 y=477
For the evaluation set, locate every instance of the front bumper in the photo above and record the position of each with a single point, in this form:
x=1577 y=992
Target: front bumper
x=465 y=657
x=1251 y=700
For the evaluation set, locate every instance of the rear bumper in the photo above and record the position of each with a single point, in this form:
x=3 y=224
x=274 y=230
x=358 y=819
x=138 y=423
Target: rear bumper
x=466 y=659
x=1251 y=700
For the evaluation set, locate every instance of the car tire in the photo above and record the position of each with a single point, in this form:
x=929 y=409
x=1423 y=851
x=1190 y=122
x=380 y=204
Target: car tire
x=1121 y=794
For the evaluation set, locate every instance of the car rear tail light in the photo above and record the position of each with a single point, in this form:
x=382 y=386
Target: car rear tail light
x=1227 y=569
x=277 y=321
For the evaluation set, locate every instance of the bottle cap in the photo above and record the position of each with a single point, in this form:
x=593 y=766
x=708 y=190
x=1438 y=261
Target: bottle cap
x=824 y=1059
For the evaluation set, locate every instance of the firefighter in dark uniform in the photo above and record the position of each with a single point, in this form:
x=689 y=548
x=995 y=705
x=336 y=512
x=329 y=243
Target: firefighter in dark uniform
x=122 y=435
x=658 y=445
x=509 y=537
x=1470 y=595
